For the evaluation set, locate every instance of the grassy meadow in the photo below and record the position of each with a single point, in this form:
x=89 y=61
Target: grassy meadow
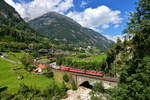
x=9 y=77
x=98 y=58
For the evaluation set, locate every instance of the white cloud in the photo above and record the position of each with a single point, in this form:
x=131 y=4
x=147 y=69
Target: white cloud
x=114 y=38
x=36 y=8
x=116 y=26
x=83 y=4
x=94 y=18
x=105 y=26
x=101 y=16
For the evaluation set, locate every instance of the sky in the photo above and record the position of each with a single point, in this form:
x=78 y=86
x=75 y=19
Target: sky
x=108 y=17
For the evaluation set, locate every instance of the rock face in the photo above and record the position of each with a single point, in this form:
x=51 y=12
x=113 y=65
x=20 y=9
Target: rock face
x=83 y=93
x=80 y=94
x=65 y=30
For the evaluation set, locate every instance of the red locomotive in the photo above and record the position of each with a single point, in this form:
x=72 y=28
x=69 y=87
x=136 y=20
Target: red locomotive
x=89 y=72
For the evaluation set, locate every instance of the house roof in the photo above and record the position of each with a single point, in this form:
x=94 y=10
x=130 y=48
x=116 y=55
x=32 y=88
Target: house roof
x=42 y=66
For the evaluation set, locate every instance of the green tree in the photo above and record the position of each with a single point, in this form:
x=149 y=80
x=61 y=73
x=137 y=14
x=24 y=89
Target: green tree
x=134 y=79
x=118 y=45
x=66 y=77
x=26 y=60
x=59 y=60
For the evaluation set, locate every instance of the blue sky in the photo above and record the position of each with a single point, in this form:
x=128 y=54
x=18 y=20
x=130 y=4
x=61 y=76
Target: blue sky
x=125 y=6
x=110 y=20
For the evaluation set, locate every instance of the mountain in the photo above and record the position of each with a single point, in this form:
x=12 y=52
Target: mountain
x=26 y=19
x=13 y=27
x=64 y=30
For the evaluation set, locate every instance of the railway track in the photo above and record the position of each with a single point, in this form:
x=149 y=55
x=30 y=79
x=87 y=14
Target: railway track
x=110 y=79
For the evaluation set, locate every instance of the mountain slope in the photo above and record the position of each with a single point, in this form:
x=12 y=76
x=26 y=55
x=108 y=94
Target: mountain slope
x=65 y=30
x=13 y=27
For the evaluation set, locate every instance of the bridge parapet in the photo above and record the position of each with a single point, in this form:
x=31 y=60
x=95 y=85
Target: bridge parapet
x=80 y=79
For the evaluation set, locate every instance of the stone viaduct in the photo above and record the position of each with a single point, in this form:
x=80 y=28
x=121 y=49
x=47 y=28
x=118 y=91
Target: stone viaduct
x=80 y=78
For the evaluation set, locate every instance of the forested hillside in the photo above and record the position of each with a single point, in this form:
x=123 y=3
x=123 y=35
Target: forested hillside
x=13 y=27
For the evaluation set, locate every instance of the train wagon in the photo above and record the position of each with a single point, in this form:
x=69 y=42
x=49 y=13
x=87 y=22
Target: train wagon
x=77 y=70
x=94 y=73
x=99 y=74
x=66 y=68
x=61 y=68
x=89 y=72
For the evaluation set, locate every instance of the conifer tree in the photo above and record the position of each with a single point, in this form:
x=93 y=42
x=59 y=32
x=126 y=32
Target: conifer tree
x=134 y=81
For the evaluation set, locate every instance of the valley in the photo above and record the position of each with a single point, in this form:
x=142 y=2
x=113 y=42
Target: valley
x=56 y=55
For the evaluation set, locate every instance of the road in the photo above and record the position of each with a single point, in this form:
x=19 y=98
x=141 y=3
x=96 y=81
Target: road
x=11 y=61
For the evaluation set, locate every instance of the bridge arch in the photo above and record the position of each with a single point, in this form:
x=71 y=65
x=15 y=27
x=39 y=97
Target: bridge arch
x=80 y=79
x=86 y=84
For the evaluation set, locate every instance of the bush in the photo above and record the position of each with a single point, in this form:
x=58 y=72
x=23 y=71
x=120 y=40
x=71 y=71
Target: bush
x=66 y=78
x=99 y=87
x=74 y=86
x=35 y=54
x=6 y=96
x=54 y=91
x=64 y=88
x=23 y=89
x=49 y=74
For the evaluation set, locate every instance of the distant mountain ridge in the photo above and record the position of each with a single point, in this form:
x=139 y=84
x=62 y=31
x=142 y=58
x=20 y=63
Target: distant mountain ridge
x=65 y=30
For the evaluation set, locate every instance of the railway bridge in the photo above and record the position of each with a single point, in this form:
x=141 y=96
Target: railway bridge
x=81 y=78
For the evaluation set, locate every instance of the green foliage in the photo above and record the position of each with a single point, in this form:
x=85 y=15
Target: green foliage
x=32 y=93
x=74 y=86
x=24 y=89
x=3 y=89
x=14 y=29
x=96 y=97
x=59 y=60
x=112 y=61
x=139 y=27
x=64 y=86
x=12 y=46
x=49 y=73
x=26 y=60
x=134 y=78
x=99 y=87
x=93 y=63
x=134 y=81
x=6 y=96
x=66 y=78
x=54 y=91
x=35 y=54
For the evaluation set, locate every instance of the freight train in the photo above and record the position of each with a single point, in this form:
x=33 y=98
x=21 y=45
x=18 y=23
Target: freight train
x=81 y=71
